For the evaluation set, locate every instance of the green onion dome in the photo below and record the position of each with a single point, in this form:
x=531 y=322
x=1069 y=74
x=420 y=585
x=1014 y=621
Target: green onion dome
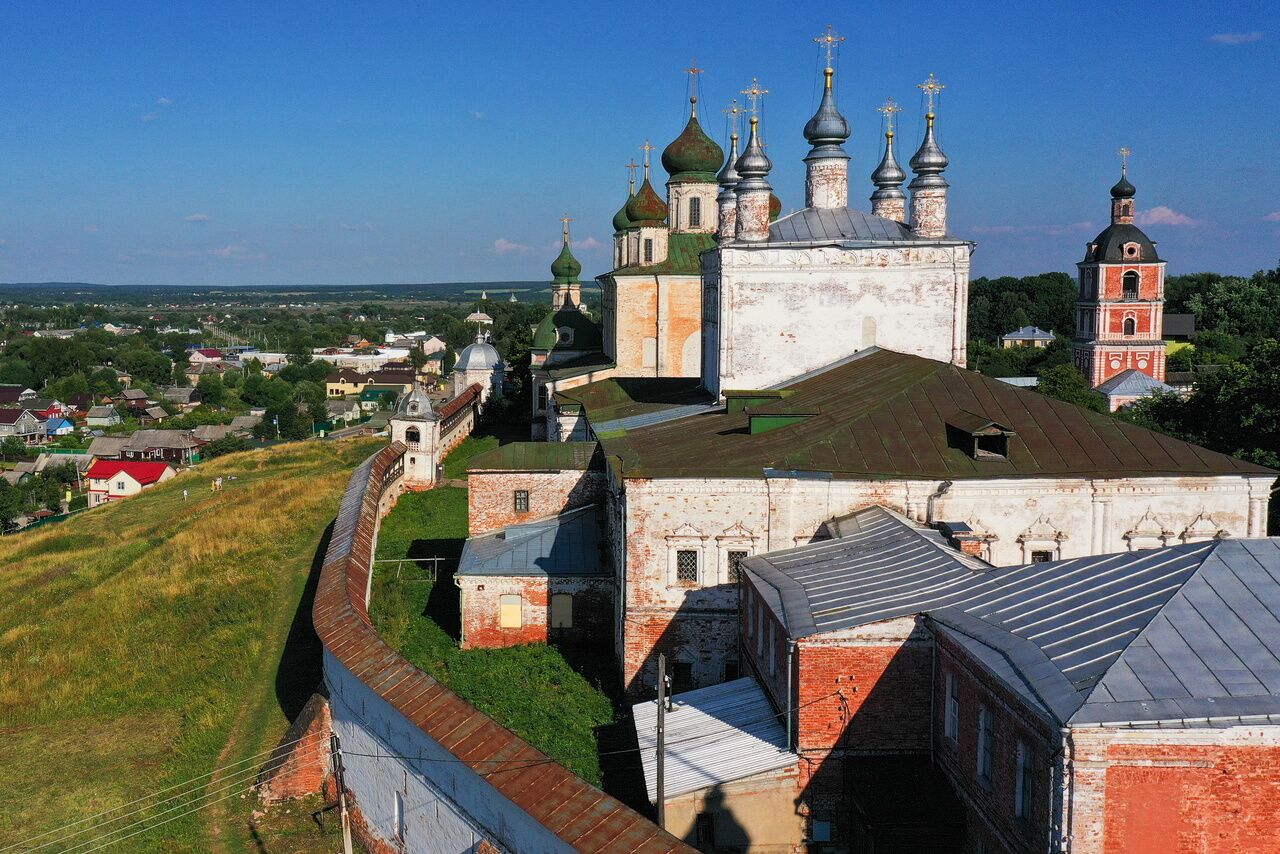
x=565 y=268
x=646 y=207
x=621 y=222
x=692 y=156
x=775 y=207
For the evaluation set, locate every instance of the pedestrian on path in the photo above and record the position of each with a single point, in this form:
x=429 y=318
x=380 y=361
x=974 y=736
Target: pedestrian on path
x=184 y=495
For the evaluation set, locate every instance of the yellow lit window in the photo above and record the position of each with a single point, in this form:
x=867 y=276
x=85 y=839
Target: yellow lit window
x=509 y=612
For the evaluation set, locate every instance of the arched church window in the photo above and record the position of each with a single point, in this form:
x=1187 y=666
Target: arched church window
x=412 y=437
x=1130 y=326
x=1130 y=285
x=695 y=212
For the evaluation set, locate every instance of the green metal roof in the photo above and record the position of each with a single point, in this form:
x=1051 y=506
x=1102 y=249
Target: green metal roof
x=885 y=415
x=578 y=366
x=623 y=397
x=539 y=456
x=682 y=256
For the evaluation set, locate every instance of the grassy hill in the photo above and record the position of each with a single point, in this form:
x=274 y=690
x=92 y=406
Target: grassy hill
x=149 y=642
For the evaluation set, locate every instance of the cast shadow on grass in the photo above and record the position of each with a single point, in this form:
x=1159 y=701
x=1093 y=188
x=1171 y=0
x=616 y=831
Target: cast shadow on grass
x=442 y=605
x=301 y=668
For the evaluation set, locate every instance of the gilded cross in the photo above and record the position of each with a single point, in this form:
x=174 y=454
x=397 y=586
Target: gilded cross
x=754 y=93
x=733 y=112
x=566 y=219
x=888 y=108
x=932 y=89
x=632 y=166
x=829 y=40
x=1124 y=159
x=646 y=148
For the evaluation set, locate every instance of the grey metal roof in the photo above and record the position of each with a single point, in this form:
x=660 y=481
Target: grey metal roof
x=838 y=225
x=567 y=544
x=713 y=735
x=1186 y=631
x=1132 y=382
x=1027 y=333
x=1020 y=382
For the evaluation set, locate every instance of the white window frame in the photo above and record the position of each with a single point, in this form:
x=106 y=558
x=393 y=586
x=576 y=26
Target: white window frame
x=687 y=539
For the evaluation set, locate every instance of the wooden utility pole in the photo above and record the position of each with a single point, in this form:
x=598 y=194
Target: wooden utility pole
x=662 y=733
x=335 y=749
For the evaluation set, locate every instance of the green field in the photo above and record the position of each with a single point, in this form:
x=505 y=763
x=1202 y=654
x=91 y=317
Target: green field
x=532 y=690
x=151 y=641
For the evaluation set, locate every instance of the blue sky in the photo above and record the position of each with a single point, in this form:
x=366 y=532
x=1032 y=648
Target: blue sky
x=274 y=143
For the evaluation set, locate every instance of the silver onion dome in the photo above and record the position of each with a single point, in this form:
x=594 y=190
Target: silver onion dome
x=754 y=164
x=929 y=161
x=827 y=130
x=888 y=176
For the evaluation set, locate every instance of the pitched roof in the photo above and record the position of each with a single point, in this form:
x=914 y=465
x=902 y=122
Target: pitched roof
x=143 y=440
x=682 y=258
x=1182 y=632
x=1027 y=333
x=107 y=446
x=539 y=456
x=882 y=415
x=713 y=735
x=627 y=397
x=1132 y=383
x=842 y=226
x=143 y=472
x=566 y=544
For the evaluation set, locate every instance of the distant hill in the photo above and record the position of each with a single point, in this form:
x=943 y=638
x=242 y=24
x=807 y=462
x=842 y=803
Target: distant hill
x=147 y=642
x=90 y=292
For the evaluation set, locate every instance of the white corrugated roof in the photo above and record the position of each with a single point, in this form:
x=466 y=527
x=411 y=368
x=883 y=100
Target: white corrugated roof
x=714 y=735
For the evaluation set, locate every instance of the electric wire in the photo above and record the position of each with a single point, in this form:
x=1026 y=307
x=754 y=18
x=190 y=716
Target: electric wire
x=239 y=775
x=13 y=845
x=239 y=784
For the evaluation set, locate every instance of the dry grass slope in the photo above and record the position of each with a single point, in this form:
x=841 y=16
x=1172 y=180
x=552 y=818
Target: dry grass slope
x=147 y=642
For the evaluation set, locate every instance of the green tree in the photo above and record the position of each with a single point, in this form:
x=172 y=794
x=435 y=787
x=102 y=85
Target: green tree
x=212 y=391
x=1066 y=383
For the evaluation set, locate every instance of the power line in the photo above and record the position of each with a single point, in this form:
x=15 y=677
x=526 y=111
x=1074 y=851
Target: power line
x=240 y=775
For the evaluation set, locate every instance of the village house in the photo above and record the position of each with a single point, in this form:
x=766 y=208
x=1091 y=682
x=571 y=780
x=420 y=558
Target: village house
x=342 y=411
x=12 y=394
x=59 y=426
x=346 y=381
x=107 y=447
x=103 y=416
x=177 y=447
x=111 y=480
x=26 y=425
x=205 y=355
x=186 y=398
x=1027 y=336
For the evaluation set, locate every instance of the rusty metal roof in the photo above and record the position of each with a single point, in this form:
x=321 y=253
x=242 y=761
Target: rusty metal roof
x=539 y=456
x=584 y=817
x=883 y=415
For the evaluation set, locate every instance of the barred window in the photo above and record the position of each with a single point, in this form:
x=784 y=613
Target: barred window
x=687 y=566
x=695 y=212
x=648 y=251
x=735 y=565
x=521 y=500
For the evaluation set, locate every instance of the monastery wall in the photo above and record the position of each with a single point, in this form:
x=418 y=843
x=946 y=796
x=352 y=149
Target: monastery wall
x=414 y=752
x=1149 y=790
x=657 y=325
x=1018 y=517
x=783 y=312
x=491 y=496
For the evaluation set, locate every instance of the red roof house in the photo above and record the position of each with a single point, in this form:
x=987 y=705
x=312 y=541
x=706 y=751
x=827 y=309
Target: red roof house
x=110 y=480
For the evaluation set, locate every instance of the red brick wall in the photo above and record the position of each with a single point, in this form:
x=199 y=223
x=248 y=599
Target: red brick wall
x=301 y=764
x=959 y=759
x=491 y=499
x=1191 y=798
x=481 y=610
x=702 y=638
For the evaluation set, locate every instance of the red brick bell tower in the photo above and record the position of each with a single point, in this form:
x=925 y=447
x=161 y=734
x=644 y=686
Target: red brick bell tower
x=1119 y=313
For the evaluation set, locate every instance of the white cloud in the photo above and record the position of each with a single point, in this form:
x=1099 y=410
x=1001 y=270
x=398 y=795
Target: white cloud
x=588 y=244
x=1164 y=215
x=149 y=118
x=164 y=102
x=197 y=217
x=236 y=252
x=91 y=229
x=503 y=246
x=368 y=226
x=1274 y=216
x=1236 y=38
x=476 y=115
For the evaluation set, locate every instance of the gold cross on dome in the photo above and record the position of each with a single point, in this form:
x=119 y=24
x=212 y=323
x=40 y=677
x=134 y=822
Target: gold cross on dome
x=888 y=108
x=646 y=148
x=828 y=40
x=1124 y=159
x=754 y=93
x=932 y=89
x=632 y=166
x=693 y=70
x=566 y=219
x=733 y=111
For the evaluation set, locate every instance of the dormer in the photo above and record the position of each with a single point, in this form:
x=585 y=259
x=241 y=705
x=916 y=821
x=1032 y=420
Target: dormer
x=978 y=436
